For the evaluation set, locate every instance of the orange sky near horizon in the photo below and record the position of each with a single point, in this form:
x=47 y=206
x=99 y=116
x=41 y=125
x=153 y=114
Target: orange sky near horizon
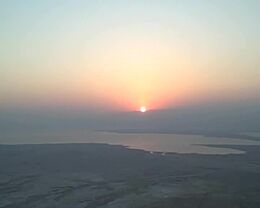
x=122 y=55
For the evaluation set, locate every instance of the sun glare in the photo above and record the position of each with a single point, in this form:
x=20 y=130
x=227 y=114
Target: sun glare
x=143 y=109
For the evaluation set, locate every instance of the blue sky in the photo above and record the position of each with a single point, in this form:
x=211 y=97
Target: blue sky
x=128 y=53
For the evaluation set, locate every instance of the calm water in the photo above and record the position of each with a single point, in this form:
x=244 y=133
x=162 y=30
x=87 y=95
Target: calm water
x=253 y=134
x=149 y=142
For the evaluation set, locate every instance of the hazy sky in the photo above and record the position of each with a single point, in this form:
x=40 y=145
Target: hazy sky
x=124 y=54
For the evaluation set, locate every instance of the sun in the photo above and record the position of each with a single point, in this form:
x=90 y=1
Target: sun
x=142 y=109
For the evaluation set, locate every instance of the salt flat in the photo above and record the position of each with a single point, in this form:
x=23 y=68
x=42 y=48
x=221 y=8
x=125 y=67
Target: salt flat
x=153 y=142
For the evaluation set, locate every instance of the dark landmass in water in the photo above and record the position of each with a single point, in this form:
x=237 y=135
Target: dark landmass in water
x=111 y=176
